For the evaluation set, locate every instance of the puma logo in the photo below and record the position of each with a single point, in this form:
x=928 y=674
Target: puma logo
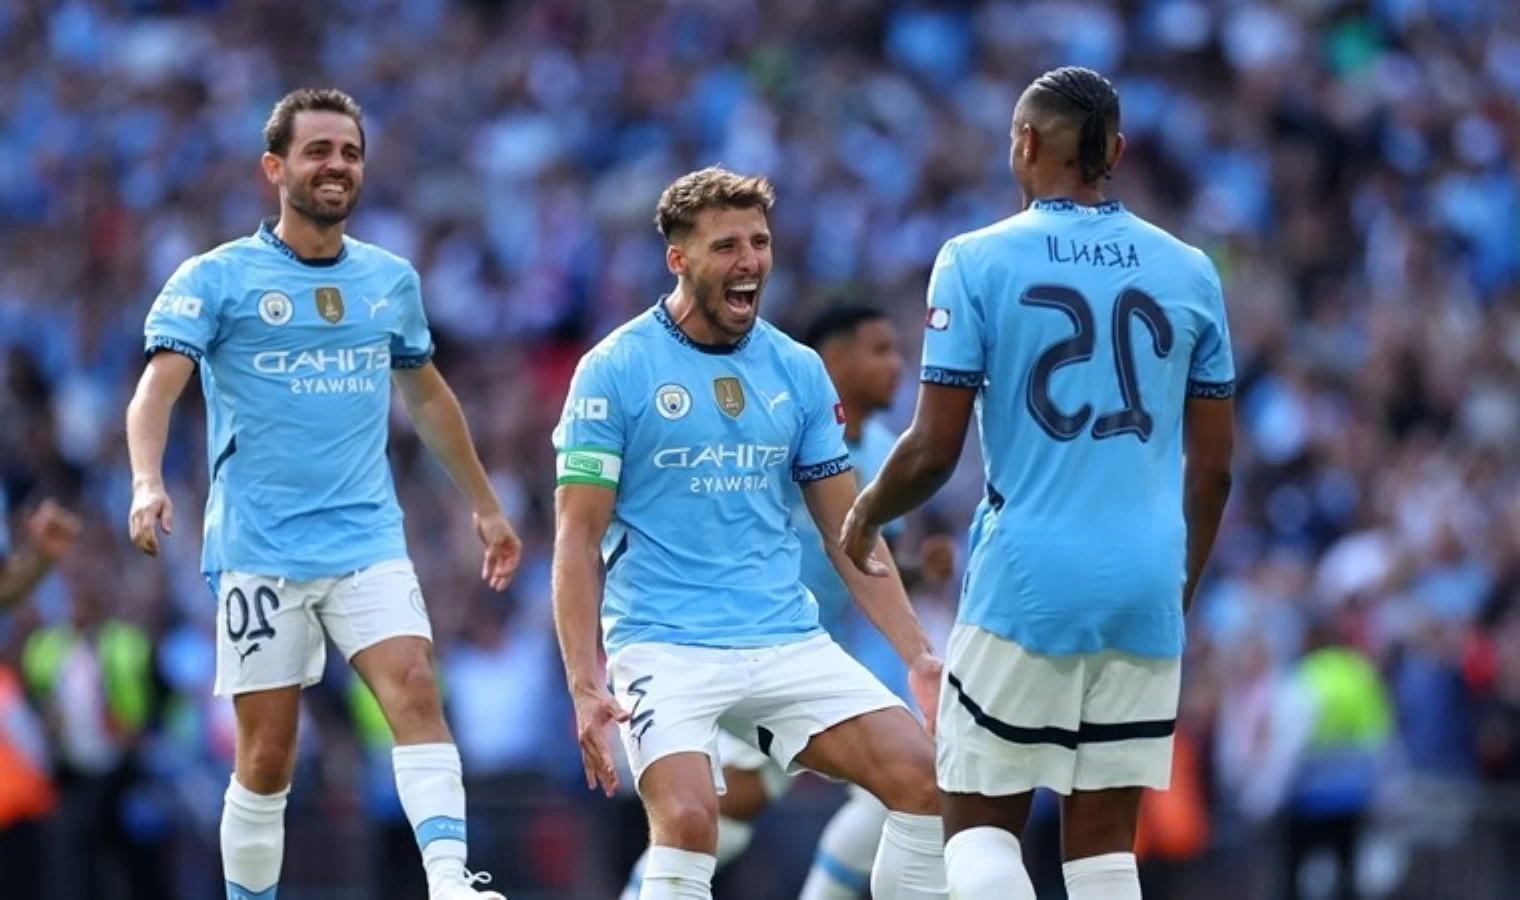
x=244 y=654
x=772 y=402
x=376 y=305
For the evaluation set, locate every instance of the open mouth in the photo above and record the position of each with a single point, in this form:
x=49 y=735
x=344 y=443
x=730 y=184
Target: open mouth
x=332 y=190
x=741 y=297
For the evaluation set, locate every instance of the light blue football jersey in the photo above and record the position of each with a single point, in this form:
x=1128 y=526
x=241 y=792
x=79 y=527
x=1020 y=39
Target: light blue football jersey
x=818 y=572
x=1084 y=329
x=701 y=445
x=295 y=360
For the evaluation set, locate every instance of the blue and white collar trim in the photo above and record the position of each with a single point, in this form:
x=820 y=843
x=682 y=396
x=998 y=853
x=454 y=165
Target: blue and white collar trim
x=267 y=235
x=662 y=315
x=1061 y=204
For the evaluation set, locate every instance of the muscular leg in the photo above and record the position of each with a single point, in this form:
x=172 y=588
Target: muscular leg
x=1098 y=844
x=428 y=773
x=737 y=810
x=682 y=804
x=889 y=754
x=253 y=817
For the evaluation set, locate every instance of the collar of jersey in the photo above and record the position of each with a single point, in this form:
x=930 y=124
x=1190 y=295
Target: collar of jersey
x=267 y=235
x=1061 y=204
x=663 y=317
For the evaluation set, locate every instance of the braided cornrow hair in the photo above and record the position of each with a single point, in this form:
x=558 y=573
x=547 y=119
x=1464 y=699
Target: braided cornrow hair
x=1090 y=99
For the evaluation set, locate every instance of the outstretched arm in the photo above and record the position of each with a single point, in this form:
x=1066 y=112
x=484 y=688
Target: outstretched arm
x=50 y=532
x=440 y=422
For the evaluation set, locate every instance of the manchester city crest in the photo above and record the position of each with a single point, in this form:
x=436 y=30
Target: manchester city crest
x=275 y=308
x=672 y=401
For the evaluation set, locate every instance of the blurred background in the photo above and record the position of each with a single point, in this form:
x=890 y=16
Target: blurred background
x=1350 y=166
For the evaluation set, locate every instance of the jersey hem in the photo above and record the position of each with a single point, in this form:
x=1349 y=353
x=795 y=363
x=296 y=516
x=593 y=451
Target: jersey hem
x=961 y=378
x=173 y=345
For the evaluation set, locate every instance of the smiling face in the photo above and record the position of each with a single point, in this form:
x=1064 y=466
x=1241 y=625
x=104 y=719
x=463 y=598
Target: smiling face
x=321 y=172
x=724 y=259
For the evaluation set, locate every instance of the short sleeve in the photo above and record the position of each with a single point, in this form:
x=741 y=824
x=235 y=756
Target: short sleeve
x=591 y=434
x=1213 y=366
x=412 y=345
x=953 y=328
x=183 y=318
x=821 y=452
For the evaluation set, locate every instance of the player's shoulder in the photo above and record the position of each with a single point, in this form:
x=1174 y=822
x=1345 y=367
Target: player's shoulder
x=992 y=243
x=787 y=351
x=381 y=260
x=624 y=344
x=213 y=263
x=1171 y=249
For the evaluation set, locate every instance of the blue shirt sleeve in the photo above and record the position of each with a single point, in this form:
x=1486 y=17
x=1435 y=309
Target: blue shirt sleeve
x=1213 y=365
x=821 y=452
x=412 y=347
x=184 y=316
x=591 y=434
x=954 y=353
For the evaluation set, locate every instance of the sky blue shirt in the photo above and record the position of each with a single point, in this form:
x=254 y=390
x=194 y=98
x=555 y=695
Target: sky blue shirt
x=701 y=445
x=1084 y=330
x=295 y=361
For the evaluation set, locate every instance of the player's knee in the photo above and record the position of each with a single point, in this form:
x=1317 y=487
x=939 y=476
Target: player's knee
x=908 y=780
x=265 y=764
x=414 y=706
x=686 y=823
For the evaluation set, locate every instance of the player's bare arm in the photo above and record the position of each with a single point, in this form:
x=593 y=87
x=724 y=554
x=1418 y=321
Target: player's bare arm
x=920 y=463
x=435 y=413
x=50 y=531
x=1208 y=435
x=581 y=515
x=877 y=590
x=162 y=381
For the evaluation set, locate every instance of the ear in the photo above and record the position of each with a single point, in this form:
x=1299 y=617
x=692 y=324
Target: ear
x=675 y=260
x=1030 y=148
x=273 y=167
x=1116 y=154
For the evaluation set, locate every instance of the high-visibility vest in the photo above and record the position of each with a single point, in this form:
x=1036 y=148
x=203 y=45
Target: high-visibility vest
x=26 y=792
x=125 y=656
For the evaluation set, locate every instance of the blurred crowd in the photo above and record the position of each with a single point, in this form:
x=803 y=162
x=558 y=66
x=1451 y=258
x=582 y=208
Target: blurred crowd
x=1352 y=166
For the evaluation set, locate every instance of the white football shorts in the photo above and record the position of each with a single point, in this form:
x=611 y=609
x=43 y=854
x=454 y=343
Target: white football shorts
x=774 y=699
x=1011 y=721
x=270 y=632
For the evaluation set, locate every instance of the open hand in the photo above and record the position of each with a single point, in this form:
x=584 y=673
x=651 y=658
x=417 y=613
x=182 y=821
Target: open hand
x=503 y=549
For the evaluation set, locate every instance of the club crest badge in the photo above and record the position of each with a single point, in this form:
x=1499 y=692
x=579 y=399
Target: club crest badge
x=275 y=308
x=672 y=401
x=330 y=304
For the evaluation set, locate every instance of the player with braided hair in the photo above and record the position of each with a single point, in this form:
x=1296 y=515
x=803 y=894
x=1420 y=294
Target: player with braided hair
x=1094 y=349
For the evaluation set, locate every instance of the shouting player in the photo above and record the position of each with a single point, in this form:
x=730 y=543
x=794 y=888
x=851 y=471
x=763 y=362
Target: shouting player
x=678 y=441
x=859 y=349
x=298 y=331
x=1095 y=349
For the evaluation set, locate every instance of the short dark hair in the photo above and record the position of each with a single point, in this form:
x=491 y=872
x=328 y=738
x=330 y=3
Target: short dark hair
x=689 y=195
x=1087 y=100
x=282 y=119
x=838 y=320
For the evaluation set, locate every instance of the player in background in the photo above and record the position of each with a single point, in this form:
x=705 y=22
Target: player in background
x=298 y=331
x=1095 y=350
x=50 y=531
x=859 y=348
x=681 y=435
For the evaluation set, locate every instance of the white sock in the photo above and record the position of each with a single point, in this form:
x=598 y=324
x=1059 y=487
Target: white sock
x=986 y=862
x=733 y=837
x=431 y=784
x=910 y=862
x=842 y=866
x=253 y=842
x=1112 y=876
x=671 y=874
